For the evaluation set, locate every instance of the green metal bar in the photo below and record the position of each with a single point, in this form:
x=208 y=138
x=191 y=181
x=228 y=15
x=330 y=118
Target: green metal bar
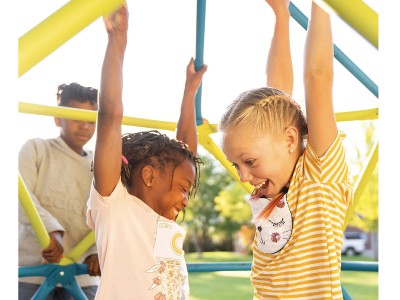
x=58 y=28
x=358 y=15
x=362 y=181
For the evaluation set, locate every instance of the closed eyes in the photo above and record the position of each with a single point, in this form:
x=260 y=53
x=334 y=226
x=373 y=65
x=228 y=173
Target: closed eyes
x=250 y=162
x=278 y=224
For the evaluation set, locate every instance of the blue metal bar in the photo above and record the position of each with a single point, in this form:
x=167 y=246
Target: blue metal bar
x=218 y=266
x=339 y=55
x=360 y=266
x=55 y=274
x=346 y=295
x=199 y=59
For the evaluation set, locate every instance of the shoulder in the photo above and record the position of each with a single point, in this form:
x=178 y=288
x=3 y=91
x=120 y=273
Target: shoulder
x=335 y=149
x=33 y=145
x=331 y=166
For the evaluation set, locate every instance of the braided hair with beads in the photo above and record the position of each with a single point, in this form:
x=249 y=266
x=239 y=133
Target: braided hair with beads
x=156 y=149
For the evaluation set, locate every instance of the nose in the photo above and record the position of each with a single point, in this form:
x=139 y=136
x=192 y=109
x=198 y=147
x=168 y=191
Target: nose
x=84 y=124
x=185 y=201
x=245 y=176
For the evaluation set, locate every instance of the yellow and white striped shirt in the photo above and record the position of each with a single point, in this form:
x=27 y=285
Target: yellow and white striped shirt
x=308 y=266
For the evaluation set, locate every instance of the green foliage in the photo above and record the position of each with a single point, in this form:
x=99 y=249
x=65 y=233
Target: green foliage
x=366 y=211
x=231 y=204
x=202 y=220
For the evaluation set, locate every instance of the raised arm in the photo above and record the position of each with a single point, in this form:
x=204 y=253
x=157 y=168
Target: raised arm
x=279 y=62
x=108 y=150
x=318 y=81
x=186 y=129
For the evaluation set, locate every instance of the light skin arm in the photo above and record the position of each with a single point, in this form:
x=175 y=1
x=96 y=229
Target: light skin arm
x=279 y=61
x=108 y=150
x=318 y=81
x=186 y=127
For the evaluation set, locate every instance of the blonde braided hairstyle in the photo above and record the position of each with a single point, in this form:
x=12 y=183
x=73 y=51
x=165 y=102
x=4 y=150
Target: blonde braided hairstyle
x=264 y=110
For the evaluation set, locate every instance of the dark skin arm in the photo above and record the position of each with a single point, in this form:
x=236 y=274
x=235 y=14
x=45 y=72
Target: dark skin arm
x=54 y=252
x=93 y=265
x=186 y=128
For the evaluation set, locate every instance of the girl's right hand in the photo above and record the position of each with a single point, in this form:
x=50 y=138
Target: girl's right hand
x=118 y=20
x=278 y=6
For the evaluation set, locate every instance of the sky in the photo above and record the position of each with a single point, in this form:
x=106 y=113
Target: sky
x=160 y=43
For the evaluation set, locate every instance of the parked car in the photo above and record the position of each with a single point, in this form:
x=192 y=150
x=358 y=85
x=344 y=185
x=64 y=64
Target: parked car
x=354 y=243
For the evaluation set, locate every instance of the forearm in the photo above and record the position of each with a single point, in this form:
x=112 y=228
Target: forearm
x=279 y=62
x=186 y=127
x=318 y=60
x=318 y=81
x=110 y=100
x=107 y=158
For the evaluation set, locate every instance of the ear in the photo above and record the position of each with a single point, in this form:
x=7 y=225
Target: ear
x=292 y=138
x=148 y=175
x=57 y=122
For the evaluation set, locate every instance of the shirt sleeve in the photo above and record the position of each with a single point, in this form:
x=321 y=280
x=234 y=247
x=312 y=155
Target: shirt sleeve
x=29 y=160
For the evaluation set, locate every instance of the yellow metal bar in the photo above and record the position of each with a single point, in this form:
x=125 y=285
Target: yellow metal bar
x=205 y=140
x=362 y=181
x=40 y=230
x=88 y=115
x=91 y=116
x=58 y=111
x=360 y=115
x=359 y=16
x=77 y=252
x=32 y=214
x=58 y=28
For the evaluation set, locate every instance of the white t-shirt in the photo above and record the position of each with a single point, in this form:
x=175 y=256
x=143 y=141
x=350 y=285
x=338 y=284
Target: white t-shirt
x=140 y=252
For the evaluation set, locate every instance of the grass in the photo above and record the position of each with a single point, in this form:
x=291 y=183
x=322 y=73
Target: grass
x=236 y=284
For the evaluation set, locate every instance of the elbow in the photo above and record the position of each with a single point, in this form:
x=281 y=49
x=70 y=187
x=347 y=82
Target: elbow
x=317 y=75
x=107 y=114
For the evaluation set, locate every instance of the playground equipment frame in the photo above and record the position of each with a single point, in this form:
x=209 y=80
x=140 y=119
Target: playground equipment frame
x=65 y=23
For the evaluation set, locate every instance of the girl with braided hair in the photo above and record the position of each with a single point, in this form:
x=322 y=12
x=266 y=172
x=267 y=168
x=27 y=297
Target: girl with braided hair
x=142 y=181
x=301 y=190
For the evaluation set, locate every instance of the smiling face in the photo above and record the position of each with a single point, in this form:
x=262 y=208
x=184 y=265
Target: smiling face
x=262 y=160
x=170 y=189
x=77 y=133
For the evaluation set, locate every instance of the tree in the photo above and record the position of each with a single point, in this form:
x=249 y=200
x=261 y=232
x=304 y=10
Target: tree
x=366 y=212
x=201 y=218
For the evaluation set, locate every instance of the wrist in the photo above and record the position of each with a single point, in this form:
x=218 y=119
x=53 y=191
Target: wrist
x=282 y=14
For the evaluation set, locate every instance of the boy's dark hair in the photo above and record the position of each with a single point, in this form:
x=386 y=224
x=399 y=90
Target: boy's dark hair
x=75 y=91
x=155 y=149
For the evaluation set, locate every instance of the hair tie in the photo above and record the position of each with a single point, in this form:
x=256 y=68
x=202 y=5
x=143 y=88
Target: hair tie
x=124 y=159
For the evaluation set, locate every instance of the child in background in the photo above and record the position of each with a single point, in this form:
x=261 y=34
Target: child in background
x=301 y=192
x=142 y=181
x=57 y=175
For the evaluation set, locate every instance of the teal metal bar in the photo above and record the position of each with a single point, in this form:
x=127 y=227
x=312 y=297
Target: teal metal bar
x=339 y=55
x=346 y=295
x=360 y=266
x=199 y=59
x=54 y=275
